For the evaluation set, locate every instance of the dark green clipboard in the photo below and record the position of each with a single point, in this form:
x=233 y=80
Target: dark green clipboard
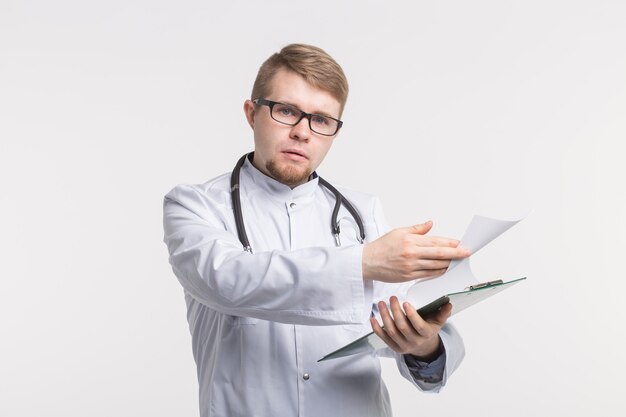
x=459 y=300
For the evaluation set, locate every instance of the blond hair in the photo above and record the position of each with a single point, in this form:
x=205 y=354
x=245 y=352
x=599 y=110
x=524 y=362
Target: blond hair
x=310 y=62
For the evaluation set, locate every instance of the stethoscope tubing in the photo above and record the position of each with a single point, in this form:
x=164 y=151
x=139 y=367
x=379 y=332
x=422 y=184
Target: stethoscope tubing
x=339 y=200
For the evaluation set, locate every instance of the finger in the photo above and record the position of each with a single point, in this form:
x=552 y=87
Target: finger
x=424 y=325
x=388 y=323
x=401 y=322
x=442 y=316
x=441 y=252
x=428 y=273
x=380 y=332
x=422 y=228
x=418 y=323
x=445 y=242
x=428 y=264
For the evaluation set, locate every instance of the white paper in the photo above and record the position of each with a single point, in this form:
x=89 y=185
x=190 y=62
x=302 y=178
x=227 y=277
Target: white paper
x=459 y=276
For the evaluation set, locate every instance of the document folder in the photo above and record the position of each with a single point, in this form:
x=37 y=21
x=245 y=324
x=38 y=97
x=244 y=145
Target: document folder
x=459 y=300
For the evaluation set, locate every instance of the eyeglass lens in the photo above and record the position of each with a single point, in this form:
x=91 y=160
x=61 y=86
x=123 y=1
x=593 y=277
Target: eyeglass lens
x=290 y=115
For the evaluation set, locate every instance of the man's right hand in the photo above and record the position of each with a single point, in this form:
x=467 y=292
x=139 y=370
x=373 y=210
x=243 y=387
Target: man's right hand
x=406 y=254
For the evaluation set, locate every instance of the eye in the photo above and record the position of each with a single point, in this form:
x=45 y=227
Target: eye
x=320 y=120
x=286 y=111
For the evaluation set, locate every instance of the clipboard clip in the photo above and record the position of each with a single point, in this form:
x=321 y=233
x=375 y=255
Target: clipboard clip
x=484 y=285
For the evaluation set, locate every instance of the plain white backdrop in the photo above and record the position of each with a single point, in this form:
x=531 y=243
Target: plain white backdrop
x=456 y=108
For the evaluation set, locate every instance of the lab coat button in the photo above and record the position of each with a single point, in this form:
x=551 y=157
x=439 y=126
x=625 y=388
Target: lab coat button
x=292 y=205
x=306 y=376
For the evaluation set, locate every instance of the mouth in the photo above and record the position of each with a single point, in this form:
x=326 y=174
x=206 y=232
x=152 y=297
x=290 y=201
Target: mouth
x=295 y=154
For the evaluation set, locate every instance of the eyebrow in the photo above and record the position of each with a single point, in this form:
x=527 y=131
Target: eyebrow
x=318 y=113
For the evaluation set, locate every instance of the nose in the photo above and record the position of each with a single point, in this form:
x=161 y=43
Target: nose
x=301 y=130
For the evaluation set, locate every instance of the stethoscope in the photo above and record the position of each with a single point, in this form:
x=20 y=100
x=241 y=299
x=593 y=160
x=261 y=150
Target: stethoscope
x=334 y=224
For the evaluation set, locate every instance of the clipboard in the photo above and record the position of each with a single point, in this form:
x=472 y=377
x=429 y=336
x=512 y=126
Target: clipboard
x=459 y=300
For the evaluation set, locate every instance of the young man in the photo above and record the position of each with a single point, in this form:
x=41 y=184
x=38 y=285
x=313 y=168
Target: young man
x=262 y=317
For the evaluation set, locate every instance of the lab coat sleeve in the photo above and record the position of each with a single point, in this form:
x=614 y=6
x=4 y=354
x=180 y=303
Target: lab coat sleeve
x=314 y=286
x=454 y=353
x=450 y=337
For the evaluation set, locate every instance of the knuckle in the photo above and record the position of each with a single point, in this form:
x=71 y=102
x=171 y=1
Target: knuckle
x=403 y=327
x=391 y=332
x=406 y=256
x=438 y=265
x=438 y=272
x=426 y=333
x=405 y=260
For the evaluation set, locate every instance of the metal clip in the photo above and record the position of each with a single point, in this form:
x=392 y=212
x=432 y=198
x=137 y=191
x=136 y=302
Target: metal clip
x=337 y=241
x=484 y=285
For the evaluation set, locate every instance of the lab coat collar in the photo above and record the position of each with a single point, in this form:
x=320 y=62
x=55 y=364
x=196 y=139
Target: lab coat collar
x=277 y=190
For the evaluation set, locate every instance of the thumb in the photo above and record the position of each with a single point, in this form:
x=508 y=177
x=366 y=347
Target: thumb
x=422 y=228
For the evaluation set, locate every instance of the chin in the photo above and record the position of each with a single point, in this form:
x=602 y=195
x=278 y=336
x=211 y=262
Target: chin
x=289 y=174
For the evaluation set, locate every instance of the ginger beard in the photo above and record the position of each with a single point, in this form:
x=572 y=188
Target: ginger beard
x=289 y=174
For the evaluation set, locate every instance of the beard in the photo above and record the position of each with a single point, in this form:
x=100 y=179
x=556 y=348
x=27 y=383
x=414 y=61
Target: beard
x=288 y=174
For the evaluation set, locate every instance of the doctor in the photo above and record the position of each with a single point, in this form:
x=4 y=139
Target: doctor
x=272 y=284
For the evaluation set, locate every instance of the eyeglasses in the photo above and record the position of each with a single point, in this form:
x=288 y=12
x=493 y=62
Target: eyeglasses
x=290 y=115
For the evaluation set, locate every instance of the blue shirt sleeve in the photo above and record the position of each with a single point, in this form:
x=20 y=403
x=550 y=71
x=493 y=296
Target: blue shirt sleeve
x=431 y=372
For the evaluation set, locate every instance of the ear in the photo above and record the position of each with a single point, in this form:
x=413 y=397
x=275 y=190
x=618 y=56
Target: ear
x=249 y=110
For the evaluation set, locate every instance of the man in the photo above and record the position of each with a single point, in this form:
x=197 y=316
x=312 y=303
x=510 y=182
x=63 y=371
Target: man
x=261 y=318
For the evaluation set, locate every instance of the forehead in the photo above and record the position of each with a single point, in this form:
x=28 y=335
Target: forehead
x=288 y=87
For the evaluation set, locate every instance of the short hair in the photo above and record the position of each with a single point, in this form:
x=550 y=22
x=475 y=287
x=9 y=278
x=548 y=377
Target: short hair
x=310 y=62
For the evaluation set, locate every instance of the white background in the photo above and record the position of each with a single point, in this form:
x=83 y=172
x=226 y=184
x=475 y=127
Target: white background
x=456 y=108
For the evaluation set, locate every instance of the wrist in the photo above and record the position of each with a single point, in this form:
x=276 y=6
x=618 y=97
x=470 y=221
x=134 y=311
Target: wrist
x=430 y=354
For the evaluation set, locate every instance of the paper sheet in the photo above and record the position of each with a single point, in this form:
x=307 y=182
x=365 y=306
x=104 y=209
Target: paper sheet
x=479 y=233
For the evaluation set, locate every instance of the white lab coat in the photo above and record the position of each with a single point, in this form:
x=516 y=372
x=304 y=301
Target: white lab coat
x=260 y=322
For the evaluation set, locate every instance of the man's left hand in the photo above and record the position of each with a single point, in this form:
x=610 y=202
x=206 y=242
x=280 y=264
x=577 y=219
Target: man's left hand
x=406 y=332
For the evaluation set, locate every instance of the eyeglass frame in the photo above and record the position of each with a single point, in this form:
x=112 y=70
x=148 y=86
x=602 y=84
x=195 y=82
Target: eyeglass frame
x=303 y=114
